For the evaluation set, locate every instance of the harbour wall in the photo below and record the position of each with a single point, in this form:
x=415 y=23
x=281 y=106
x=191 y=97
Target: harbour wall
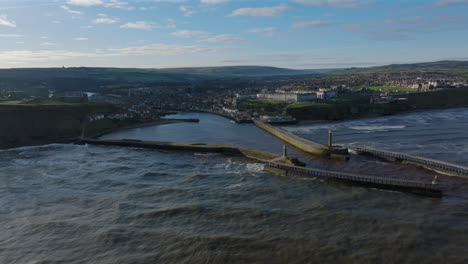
x=281 y=166
x=225 y=149
x=431 y=164
x=304 y=144
x=414 y=187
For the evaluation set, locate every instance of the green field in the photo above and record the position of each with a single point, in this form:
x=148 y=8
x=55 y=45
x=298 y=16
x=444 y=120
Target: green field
x=300 y=104
x=263 y=107
x=46 y=101
x=37 y=101
x=386 y=89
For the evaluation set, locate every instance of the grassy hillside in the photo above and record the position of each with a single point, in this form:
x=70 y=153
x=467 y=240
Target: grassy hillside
x=237 y=71
x=37 y=81
x=452 y=68
x=149 y=75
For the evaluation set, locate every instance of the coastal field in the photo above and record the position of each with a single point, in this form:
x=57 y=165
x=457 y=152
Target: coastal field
x=358 y=105
x=386 y=88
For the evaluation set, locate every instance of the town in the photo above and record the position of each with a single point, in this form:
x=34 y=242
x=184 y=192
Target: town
x=275 y=99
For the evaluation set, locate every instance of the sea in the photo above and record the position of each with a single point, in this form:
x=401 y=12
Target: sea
x=67 y=203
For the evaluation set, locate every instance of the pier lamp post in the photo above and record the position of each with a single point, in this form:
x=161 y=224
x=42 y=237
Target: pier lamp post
x=330 y=139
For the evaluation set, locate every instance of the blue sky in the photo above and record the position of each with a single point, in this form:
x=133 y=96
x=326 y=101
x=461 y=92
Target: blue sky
x=184 y=33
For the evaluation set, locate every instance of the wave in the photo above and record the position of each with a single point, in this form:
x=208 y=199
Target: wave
x=174 y=211
x=377 y=128
x=40 y=147
x=255 y=167
x=155 y=174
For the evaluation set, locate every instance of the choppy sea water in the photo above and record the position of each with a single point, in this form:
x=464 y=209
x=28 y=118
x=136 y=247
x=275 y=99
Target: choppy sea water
x=93 y=204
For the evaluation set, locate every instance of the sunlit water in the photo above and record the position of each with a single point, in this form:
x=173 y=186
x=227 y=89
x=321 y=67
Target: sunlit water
x=90 y=204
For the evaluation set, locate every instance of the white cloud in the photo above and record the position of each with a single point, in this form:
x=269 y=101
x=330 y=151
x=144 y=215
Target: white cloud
x=69 y=10
x=139 y=25
x=333 y=3
x=188 y=33
x=225 y=38
x=118 y=4
x=4 y=21
x=107 y=3
x=266 y=32
x=170 y=1
x=167 y=49
x=85 y=2
x=48 y=44
x=28 y=57
x=171 y=23
x=316 y=23
x=442 y=3
x=105 y=20
x=81 y=39
x=261 y=11
x=187 y=10
x=25 y=57
x=11 y=36
x=214 y=2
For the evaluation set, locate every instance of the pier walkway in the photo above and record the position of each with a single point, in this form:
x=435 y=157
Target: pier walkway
x=457 y=170
x=416 y=187
x=301 y=143
x=281 y=165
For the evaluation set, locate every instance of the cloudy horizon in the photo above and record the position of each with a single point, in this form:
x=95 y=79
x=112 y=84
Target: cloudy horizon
x=298 y=34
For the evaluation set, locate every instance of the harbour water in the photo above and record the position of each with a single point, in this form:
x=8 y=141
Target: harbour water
x=93 y=204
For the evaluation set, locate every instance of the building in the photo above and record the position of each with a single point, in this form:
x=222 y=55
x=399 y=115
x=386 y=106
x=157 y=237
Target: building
x=246 y=96
x=288 y=96
x=240 y=97
x=72 y=97
x=326 y=94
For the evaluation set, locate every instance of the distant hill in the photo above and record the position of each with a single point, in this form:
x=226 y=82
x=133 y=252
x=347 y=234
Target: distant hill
x=238 y=71
x=39 y=80
x=449 y=67
x=142 y=75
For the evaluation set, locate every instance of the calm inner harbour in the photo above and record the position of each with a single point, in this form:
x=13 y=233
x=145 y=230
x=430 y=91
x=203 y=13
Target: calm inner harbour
x=94 y=204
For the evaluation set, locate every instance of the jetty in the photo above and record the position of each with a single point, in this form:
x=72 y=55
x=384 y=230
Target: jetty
x=281 y=165
x=305 y=145
x=431 y=164
x=414 y=187
x=225 y=149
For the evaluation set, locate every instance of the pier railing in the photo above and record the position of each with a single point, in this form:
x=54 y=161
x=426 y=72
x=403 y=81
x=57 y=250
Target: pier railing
x=417 y=187
x=463 y=170
x=351 y=177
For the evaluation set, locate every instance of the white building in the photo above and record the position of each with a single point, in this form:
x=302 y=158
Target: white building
x=288 y=96
x=326 y=94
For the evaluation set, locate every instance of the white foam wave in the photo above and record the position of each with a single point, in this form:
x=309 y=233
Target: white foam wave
x=39 y=147
x=377 y=128
x=255 y=167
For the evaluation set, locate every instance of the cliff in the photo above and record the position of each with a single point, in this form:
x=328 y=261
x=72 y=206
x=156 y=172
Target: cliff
x=22 y=125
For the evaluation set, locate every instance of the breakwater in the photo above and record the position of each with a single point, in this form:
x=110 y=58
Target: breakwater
x=281 y=165
x=304 y=144
x=415 y=187
x=439 y=166
x=197 y=147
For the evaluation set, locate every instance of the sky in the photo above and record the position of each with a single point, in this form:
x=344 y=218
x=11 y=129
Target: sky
x=298 y=34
